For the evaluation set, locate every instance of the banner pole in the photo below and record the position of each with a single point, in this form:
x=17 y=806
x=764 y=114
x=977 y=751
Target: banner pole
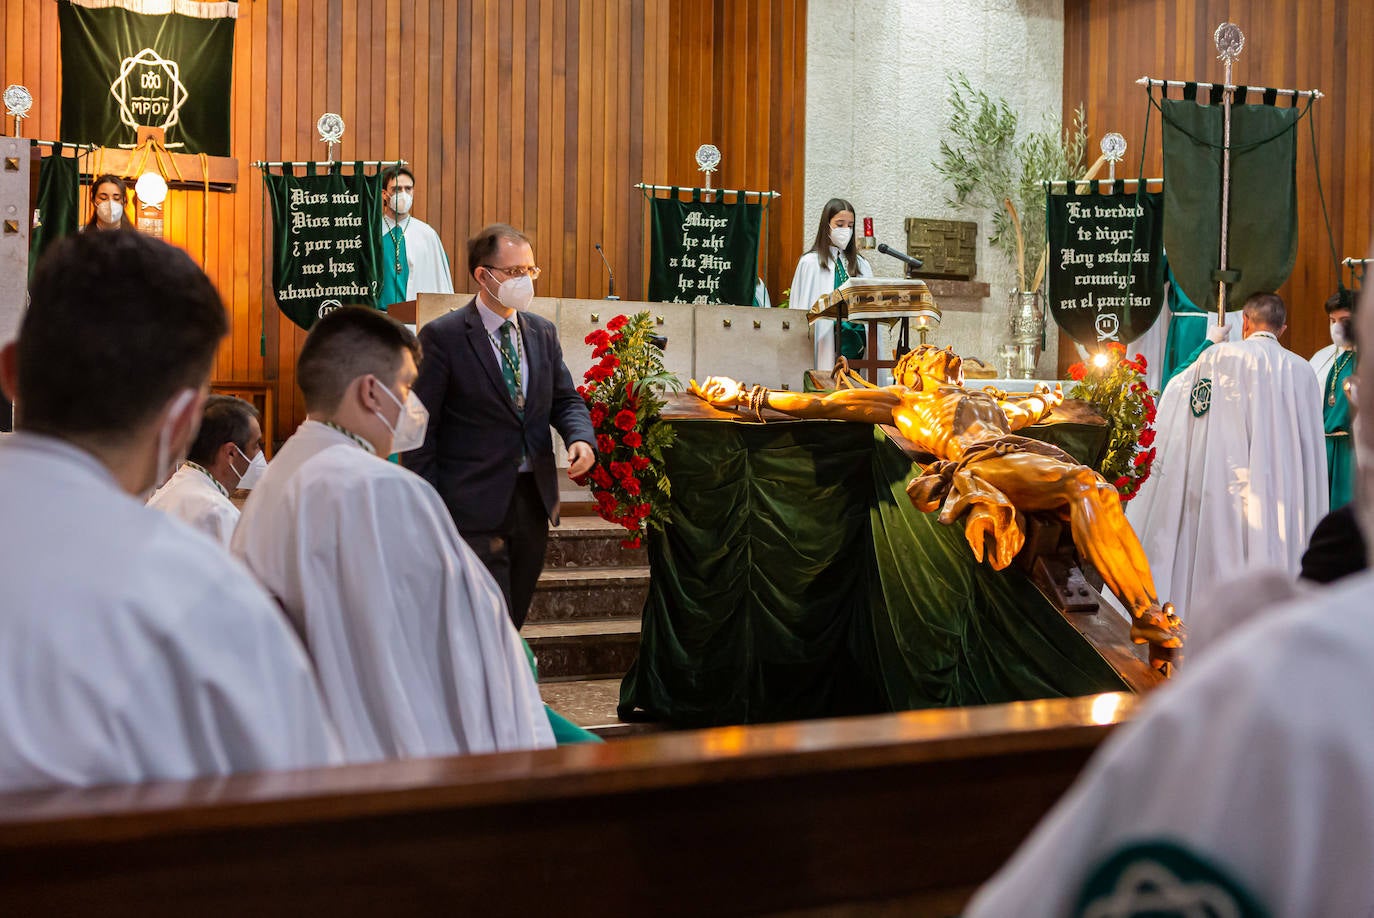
x=1229 y=42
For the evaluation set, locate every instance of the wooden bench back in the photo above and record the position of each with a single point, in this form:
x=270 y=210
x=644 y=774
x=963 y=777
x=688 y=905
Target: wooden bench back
x=915 y=808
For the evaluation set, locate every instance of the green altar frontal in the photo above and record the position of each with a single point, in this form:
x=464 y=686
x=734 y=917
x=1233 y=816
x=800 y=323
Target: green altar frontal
x=796 y=580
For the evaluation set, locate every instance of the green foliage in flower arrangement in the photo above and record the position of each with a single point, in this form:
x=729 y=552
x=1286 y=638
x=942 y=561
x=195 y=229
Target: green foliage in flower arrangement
x=1115 y=385
x=624 y=393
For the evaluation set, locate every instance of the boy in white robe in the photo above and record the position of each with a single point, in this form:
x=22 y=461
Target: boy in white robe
x=1240 y=478
x=226 y=450
x=413 y=256
x=1246 y=786
x=132 y=648
x=409 y=633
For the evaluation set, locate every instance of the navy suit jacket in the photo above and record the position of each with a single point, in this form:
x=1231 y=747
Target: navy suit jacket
x=476 y=437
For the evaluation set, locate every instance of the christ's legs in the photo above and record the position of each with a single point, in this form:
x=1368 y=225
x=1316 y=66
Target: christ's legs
x=1033 y=482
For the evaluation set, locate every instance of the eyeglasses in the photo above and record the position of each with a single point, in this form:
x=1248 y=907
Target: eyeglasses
x=531 y=271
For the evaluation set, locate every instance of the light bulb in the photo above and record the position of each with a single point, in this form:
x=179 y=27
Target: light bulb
x=1099 y=360
x=151 y=189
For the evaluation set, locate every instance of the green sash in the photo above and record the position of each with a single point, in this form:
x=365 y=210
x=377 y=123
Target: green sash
x=852 y=337
x=395 y=267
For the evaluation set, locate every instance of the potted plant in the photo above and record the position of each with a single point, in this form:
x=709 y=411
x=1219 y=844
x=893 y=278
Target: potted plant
x=993 y=165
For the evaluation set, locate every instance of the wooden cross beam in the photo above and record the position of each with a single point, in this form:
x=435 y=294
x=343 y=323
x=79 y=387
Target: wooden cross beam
x=224 y=170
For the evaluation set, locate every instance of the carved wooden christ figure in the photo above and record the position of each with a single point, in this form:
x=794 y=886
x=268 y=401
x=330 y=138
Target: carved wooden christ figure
x=985 y=472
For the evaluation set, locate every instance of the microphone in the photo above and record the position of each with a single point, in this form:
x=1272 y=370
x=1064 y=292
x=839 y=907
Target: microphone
x=610 y=275
x=900 y=256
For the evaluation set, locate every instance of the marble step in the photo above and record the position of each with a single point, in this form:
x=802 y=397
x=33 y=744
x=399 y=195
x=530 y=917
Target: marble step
x=575 y=501
x=602 y=649
x=590 y=541
x=582 y=593
x=591 y=703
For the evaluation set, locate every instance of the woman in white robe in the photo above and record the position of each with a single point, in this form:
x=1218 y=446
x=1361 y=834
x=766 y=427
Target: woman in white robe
x=832 y=259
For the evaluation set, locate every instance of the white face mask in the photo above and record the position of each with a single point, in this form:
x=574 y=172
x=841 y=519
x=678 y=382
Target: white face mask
x=516 y=293
x=840 y=236
x=109 y=212
x=401 y=201
x=256 y=466
x=1338 y=334
x=166 y=463
x=411 y=424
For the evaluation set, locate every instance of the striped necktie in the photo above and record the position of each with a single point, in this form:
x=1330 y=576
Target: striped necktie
x=510 y=361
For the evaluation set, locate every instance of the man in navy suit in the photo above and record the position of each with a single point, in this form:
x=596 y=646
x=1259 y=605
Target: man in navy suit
x=494 y=380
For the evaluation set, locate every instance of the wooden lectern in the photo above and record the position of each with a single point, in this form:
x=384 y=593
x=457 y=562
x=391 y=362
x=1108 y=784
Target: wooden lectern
x=402 y=312
x=875 y=301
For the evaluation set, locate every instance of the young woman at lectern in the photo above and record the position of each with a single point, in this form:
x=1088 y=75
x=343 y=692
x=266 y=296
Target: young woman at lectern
x=832 y=259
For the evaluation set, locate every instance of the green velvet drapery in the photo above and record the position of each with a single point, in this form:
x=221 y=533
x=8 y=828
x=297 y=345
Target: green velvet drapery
x=796 y=580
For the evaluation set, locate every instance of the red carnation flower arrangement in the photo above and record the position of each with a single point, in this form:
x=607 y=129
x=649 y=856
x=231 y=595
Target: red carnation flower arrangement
x=623 y=392
x=1115 y=385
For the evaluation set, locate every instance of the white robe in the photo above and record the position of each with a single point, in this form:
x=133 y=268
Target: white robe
x=1240 y=487
x=429 y=271
x=133 y=648
x=1322 y=361
x=810 y=283
x=410 y=636
x=1258 y=760
x=193 y=498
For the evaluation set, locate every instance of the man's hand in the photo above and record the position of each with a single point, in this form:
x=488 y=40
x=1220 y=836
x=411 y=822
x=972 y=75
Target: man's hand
x=721 y=391
x=580 y=459
x=1218 y=333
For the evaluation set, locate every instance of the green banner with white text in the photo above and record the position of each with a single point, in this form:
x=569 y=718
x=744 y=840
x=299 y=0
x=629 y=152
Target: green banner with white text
x=326 y=240
x=704 y=252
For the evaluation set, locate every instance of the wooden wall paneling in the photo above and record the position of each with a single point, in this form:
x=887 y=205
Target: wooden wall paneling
x=527 y=111
x=566 y=203
x=543 y=113
x=449 y=77
x=1326 y=44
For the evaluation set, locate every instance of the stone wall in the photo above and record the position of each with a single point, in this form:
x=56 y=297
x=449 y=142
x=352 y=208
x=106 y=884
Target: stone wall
x=875 y=91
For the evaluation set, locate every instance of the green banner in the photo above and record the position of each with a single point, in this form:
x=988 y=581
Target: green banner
x=1106 y=273
x=704 y=252
x=326 y=240
x=1262 y=240
x=59 y=203
x=147 y=63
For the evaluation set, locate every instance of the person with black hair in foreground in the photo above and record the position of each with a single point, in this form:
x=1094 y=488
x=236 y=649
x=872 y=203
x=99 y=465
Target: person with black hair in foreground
x=132 y=648
x=226 y=455
x=409 y=634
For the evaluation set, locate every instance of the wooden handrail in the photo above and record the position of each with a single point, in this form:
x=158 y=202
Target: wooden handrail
x=652 y=762
x=917 y=807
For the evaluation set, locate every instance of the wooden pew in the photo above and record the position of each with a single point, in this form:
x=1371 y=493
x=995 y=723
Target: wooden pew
x=906 y=812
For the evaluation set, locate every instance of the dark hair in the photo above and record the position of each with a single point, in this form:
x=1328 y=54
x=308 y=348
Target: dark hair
x=1341 y=299
x=1266 y=310
x=347 y=343
x=822 y=244
x=107 y=178
x=117 y=324
x=226 y=419
x=485 y=243
x=391 y=173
